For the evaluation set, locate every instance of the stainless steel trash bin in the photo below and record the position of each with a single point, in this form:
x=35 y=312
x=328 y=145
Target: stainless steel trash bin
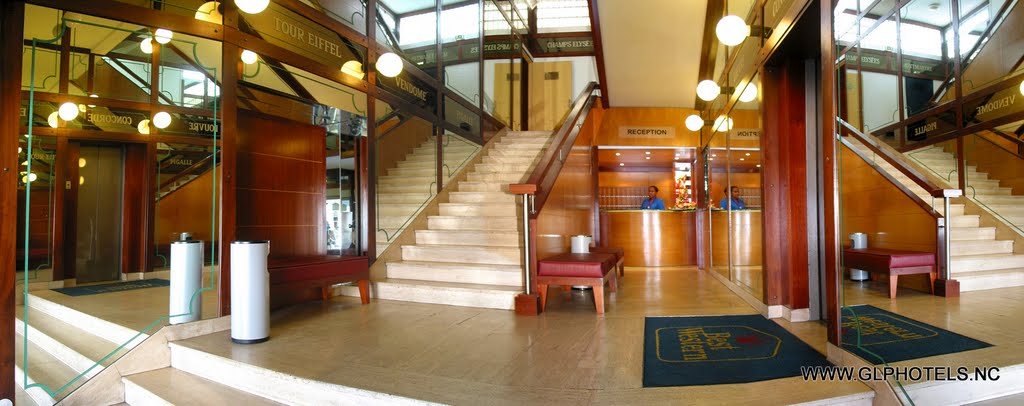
x=859 y=240
x=186 y=280
x=250 y=292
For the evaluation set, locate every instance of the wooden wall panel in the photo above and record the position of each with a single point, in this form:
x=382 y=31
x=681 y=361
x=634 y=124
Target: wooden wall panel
x=134 y=239
x=608 y=133
x=281 y=184
x=187 y=209
x=400 y=142
x=663 y=180
x=873 y=205
x=570 y=208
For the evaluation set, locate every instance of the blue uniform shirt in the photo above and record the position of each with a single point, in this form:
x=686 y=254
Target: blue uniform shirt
x=657 y=204
x=737 y=204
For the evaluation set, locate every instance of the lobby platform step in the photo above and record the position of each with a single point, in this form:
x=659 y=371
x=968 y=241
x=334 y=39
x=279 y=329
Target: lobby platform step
x=974 y=263
x=985 y=280
x=169 y=386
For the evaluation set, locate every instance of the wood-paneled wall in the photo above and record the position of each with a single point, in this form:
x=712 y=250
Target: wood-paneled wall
x=280 y=185
x=608 y=133
x=663 y=180
x=187 y=209
x=874 y=206
x=400 y=142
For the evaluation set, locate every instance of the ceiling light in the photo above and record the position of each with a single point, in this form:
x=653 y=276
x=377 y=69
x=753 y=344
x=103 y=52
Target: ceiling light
x=618 y=154
x=81 y=162
x=749 y=94
x=389 y=64
x=249 y=57
x=714 y=155
x=711 y=159
x=144 y=127
x=1022 y=87
x=93 y=96
x=621 y=164
x=741 y=159
x=758 y=165
x=354 y=69
x=748 y=154
x=68 y=111
x=162 y=119
x=52 y=120
x=723 y=124
x=694 y=122
x=210 y=12
x=732 y=30
x=146 y=45
x=648 y=157
x=81 y=180
x=252 y=6
x=163 y=36
x=28 y=178
x=647 y=152
x=708 y=90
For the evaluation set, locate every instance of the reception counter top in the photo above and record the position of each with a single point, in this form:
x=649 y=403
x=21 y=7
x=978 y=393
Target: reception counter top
x=652 y=237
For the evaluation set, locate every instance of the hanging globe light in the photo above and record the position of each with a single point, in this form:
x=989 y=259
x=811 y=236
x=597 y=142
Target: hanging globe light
x=144 y=127
x=52 y=120
x=389 y=64
x=68 y=111
x=146 y=45
x=732 y=30
x=210 y=12
x=723 y=124
x=162 y=120
x=248 y=57
x=163 y=36
x=354 y=69
x=694 y=122
x=708 y=90
x=252 y=6
x=749 y=94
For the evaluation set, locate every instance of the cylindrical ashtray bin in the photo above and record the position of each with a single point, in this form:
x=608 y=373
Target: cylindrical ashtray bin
x=858 y=240
x=186 y=280
x=250 y=292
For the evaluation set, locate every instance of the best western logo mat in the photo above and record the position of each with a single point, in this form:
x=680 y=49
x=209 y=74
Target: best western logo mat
x=878 y=329
x=714 y=343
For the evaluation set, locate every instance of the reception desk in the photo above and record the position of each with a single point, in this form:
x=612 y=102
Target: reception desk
x=741 y=242
x=652 y=237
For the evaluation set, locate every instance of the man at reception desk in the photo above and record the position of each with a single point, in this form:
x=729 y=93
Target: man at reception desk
x=733 y=200
x=652 y=201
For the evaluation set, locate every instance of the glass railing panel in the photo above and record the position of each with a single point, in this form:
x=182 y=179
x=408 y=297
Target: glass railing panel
x=344 y=133
x=406 y=167
x=995 y=174
x=85 y=202
x=927 y=69
x=986 y=60
x=187 y=66
x=457 y=151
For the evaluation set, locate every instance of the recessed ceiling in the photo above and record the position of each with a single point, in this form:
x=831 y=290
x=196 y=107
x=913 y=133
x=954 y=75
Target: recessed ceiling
x=635 y=157
x=652 y=51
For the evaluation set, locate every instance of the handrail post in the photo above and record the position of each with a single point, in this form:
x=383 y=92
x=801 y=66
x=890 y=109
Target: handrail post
x=944 y=285
x=528 y=285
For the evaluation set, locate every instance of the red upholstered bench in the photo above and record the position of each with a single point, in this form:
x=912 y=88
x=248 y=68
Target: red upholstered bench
x=321 y=271
x=590 y=269
x=891 y=262
x=619 y=256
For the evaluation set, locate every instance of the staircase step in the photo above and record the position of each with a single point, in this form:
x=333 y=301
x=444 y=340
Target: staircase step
x=44 y=369
x=421 y=179
x=505 y=275
x=446 y=293
x=467 y=237
x=398 y=209
x=481 y=197
x=477 y=209
x=465 y=186
x=985 y=280
x=504 y=160
x=106 y=330
x=502 y=168
x=387 y=198
x=958 y=248
x=972 y=233
x=166 y=386
x=507 y=146
x=73 y=346
x=497 y=177
x=1017 y=200
x=392 y=222
x=515 y=153
x=470 y=254
x=965 y=221
x=505 y=223
x=1007 y=210
x=974 y=263
x=410 y=188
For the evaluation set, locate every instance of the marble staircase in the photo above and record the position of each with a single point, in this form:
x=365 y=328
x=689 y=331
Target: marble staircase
x=978 y=260
x=404 y=190
x=470 y=254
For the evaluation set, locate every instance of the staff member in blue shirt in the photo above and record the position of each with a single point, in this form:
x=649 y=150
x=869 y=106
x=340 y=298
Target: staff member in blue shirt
x=734 y=200
x=652 y=201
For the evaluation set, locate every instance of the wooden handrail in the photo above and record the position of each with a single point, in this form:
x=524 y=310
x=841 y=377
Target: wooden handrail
x=550 y=164
x=933 y=189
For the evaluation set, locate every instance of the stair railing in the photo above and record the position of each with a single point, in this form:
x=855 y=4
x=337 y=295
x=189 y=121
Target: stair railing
x=538 y=186
x=934 y=190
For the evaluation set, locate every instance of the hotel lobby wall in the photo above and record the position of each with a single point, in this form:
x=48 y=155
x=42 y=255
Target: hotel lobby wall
x=617 y=117
x=661 y=178
x=874 y=206
x=185 y=209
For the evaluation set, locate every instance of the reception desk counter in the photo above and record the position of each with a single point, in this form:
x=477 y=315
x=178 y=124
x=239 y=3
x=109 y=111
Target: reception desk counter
x=652 y=237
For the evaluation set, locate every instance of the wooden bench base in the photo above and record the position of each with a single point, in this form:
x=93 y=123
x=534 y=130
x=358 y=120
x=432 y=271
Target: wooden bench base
x=593 y=269
x=289 y=275
x=894 y=263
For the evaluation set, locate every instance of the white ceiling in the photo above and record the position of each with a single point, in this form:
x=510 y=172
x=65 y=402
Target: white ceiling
x=652 y=51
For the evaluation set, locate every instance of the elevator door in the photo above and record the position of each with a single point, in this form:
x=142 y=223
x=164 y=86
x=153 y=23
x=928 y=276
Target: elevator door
x=98 y=253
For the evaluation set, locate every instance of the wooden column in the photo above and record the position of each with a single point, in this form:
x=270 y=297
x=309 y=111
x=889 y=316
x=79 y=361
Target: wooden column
x=231 y=66
x=830 y=175
x=368 y=187
x=61 y=188
x=12 y=19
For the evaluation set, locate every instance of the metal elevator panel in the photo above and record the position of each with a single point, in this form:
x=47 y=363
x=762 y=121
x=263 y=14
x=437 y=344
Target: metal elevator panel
x=100 y=197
